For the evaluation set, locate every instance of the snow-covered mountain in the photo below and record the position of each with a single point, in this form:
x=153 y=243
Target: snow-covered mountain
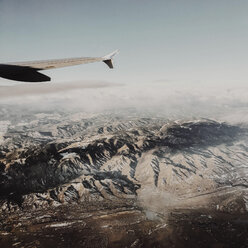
x=48 y=159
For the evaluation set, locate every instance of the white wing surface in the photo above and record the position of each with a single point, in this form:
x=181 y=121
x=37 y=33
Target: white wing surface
x=28 y=71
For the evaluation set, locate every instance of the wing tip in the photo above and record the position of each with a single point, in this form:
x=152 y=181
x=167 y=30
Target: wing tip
x=111 y=55
x=108 y=59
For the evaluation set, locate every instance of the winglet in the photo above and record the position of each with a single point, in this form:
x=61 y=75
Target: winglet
x=108 y=59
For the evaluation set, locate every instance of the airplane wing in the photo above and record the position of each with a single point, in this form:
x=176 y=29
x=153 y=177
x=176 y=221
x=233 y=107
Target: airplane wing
x=28 y=71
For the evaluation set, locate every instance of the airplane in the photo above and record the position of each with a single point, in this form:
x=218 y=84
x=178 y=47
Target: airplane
x=29 y=71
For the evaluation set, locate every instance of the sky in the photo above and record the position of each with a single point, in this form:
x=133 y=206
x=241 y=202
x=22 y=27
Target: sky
x=191 y=41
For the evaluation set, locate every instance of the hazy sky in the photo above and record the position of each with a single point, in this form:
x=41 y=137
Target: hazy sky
x=171 y=40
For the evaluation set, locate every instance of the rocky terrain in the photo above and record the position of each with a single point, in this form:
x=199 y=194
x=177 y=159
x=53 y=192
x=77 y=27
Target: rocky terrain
x=142 y=172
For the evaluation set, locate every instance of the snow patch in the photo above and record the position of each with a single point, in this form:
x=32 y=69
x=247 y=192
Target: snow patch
x=60 y=224
x=68 y=155
x=245 y=197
